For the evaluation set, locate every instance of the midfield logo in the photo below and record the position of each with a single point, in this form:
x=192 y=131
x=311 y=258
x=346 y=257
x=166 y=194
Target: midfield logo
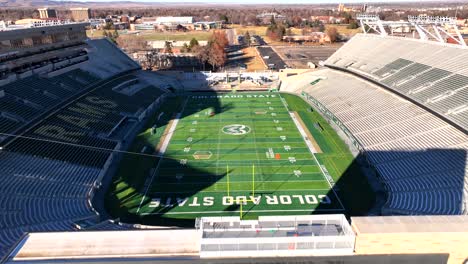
x=236 y=129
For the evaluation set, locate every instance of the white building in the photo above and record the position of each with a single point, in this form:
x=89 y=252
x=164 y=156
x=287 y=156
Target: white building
x=168 y=21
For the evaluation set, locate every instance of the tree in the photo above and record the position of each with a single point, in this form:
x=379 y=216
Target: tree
x=168 y=47
x=353 y=24
x=347 y=17
x=276 y=31
x=252 y=19
x=321 y=27
x=132 y=43
x=202 y=54
x=332 y=33
x=214 y=52
x=113 y=36
x=224 y=18
x=247 y=38
x=217 y=55
x=296 y=21
x=272 y=21
x=108 y=26
x=185 y=48
x=193 y=43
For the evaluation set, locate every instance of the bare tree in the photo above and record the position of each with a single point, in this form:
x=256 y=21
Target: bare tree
x=332 y=33
x=168 y=47
x=132 y=43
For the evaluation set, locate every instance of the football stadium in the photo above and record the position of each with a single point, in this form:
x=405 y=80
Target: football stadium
x=362 y=158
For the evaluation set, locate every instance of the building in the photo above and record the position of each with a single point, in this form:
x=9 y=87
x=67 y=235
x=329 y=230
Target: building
x=327 y=19
x=33 y=22
x=164 y=23
x=143 y=26
x=319 y=37
x=161 y=44
x=39 y=49
x=175 y=23
x=170 y=21
x=265 y=18
x=80 y=13
x=208 y=25
x=343 y=8
x=47 y=13
x=97 y=23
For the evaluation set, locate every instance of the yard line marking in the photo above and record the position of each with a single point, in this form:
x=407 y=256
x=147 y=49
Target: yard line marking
x=253 y=211
x=244 y=166
x=217 y=147
x=223 y=182
x=272 y=191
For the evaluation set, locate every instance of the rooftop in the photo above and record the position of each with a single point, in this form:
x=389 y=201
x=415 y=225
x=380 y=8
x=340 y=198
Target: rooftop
x=409 y=224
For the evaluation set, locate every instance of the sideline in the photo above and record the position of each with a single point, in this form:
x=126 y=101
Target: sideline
x=161 y=152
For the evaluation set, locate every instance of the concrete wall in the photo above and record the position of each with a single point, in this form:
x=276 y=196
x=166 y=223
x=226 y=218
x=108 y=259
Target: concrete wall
x=393 y=235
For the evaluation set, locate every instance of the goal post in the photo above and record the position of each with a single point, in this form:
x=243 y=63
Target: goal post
x=247 y=200
x=253 y=193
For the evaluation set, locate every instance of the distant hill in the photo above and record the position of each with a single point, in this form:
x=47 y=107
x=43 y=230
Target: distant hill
x=122 y=4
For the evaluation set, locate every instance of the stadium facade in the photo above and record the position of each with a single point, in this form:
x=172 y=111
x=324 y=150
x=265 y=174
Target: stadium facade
x=69 y=104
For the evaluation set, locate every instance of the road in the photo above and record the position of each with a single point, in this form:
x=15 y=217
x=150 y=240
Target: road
x=269 y=56
x=299 y=56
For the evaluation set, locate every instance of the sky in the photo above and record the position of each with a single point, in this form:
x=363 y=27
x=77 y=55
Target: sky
x=276 y=1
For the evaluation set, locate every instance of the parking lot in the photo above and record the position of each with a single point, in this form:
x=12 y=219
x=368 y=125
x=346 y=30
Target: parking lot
x=299 y=56
x=270 y=57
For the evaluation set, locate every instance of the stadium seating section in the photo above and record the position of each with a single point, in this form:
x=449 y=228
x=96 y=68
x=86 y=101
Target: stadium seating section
x=70 y=123
x=429 y=73
x=76 y=119
x=420 y=158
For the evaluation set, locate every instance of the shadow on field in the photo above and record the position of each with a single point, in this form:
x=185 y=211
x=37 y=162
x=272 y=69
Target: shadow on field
x=354 y=192
x=120 y=201
x=352 y=187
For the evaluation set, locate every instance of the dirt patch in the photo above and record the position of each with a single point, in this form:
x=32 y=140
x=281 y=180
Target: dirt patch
x=309 y=135
x=254 y=61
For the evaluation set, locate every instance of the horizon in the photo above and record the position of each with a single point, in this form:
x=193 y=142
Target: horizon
x=275 y=2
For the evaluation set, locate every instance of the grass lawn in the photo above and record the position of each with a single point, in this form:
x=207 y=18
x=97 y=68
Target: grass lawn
x=154 y=35
x=249 y=156
x=343 y=29
x=177 y=36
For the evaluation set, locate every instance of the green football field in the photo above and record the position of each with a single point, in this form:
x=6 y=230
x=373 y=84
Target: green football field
x=223 y=154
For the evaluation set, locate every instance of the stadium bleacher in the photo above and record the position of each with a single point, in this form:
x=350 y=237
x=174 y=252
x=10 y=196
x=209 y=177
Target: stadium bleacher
x=430 y=73
x=66 y=150
x=421 y=159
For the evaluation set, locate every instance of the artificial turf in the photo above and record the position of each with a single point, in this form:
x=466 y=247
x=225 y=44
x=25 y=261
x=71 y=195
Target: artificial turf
x=237 y=150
